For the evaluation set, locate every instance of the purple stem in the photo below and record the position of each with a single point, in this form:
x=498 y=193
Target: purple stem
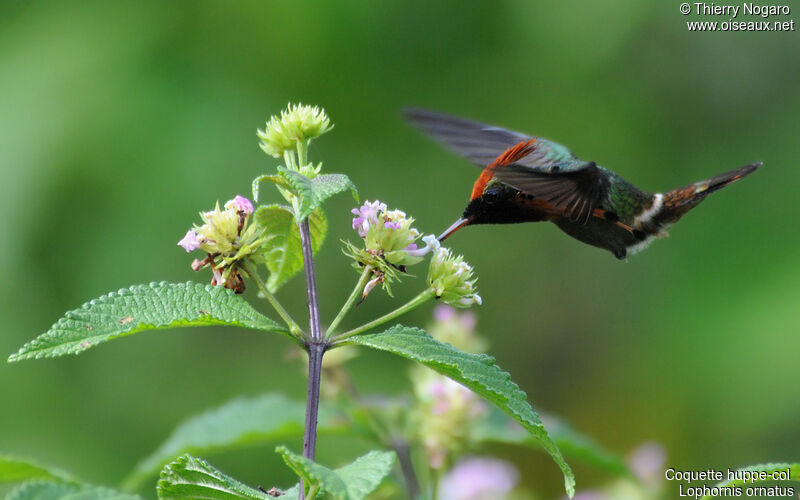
x=316 y=349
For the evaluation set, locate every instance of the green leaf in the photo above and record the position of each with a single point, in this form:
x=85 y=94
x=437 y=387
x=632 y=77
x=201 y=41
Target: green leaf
x=276 y=179
x=352 y=482
x=45 y=490
x=497 y=427
x=325 y=186
x=475 y=371
x=312 y=193
x=283 y=254
x=15 y=470
x=768 y=469
x=41 y=490
x=144 y=307
x=192 y=478
x=239 y=423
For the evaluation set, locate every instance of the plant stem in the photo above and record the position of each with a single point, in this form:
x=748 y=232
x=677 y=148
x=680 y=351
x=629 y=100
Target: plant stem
x=289 y=159
x=294 y=328
x=315 y=353
x=316 y=349
x=302 y=153
x=311 y=282
x=420 y=299
x=362 y=281
x=407 y=467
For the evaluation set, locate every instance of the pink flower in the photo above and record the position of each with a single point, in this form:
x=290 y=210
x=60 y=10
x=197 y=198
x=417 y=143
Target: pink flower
x=647 y=462
x=189 y=242
x=478 y=479
x=367 y=215
x=241 y=203
x=443 y=312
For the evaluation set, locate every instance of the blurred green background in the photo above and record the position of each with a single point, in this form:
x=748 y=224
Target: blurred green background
x=120 y=121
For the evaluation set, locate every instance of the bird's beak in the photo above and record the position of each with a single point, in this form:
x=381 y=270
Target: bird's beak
x=461 y=222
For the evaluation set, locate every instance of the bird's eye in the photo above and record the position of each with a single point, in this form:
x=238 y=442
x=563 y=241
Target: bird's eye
x=490 y=195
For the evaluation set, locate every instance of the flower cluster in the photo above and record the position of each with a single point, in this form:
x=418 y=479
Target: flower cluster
x=452 y=279
x=388 y=233
x=228 y=238
x=297 y=124
x=445 y=409
x=390 y=241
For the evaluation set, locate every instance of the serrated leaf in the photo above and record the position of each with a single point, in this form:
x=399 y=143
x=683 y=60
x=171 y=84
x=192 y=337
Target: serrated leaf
x=237 y=424
x=354 y=481
x=45 y=490
x=311 y=193
x=144 y=307
x=283 y=252
x=794 y=468
x=496 y=427
x=475 y=371
x=15 y=470
x=192 y=478
x=325 y=186
x=276 y=179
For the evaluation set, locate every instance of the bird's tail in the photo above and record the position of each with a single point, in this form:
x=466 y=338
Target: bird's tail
x=679 y=201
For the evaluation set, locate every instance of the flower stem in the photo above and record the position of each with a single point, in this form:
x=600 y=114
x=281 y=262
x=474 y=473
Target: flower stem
x=407 y=467
x=289 y=159
x=420 y=299
x=302 y=153
x=294 y=328
x=315 y=353
x=311 y=282
x=362 y=281
x=316 y=346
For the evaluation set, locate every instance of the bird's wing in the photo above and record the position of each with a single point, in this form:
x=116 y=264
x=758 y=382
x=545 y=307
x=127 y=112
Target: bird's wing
x=482 y=143
x=576 y=192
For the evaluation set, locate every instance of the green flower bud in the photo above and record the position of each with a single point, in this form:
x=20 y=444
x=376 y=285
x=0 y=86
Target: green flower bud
x=451 y=279
x=298 y=123
x=305 y=122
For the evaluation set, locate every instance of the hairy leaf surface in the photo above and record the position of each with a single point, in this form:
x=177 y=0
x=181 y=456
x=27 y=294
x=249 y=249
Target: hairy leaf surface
x=311 y=193
x=144 y=307
x=354 y=481
x=192 y=478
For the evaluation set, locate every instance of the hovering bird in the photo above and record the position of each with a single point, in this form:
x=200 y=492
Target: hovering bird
x=530 y=179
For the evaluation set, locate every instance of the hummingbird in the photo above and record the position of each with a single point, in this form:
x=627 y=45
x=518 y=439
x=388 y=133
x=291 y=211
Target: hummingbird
x=525 y=178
